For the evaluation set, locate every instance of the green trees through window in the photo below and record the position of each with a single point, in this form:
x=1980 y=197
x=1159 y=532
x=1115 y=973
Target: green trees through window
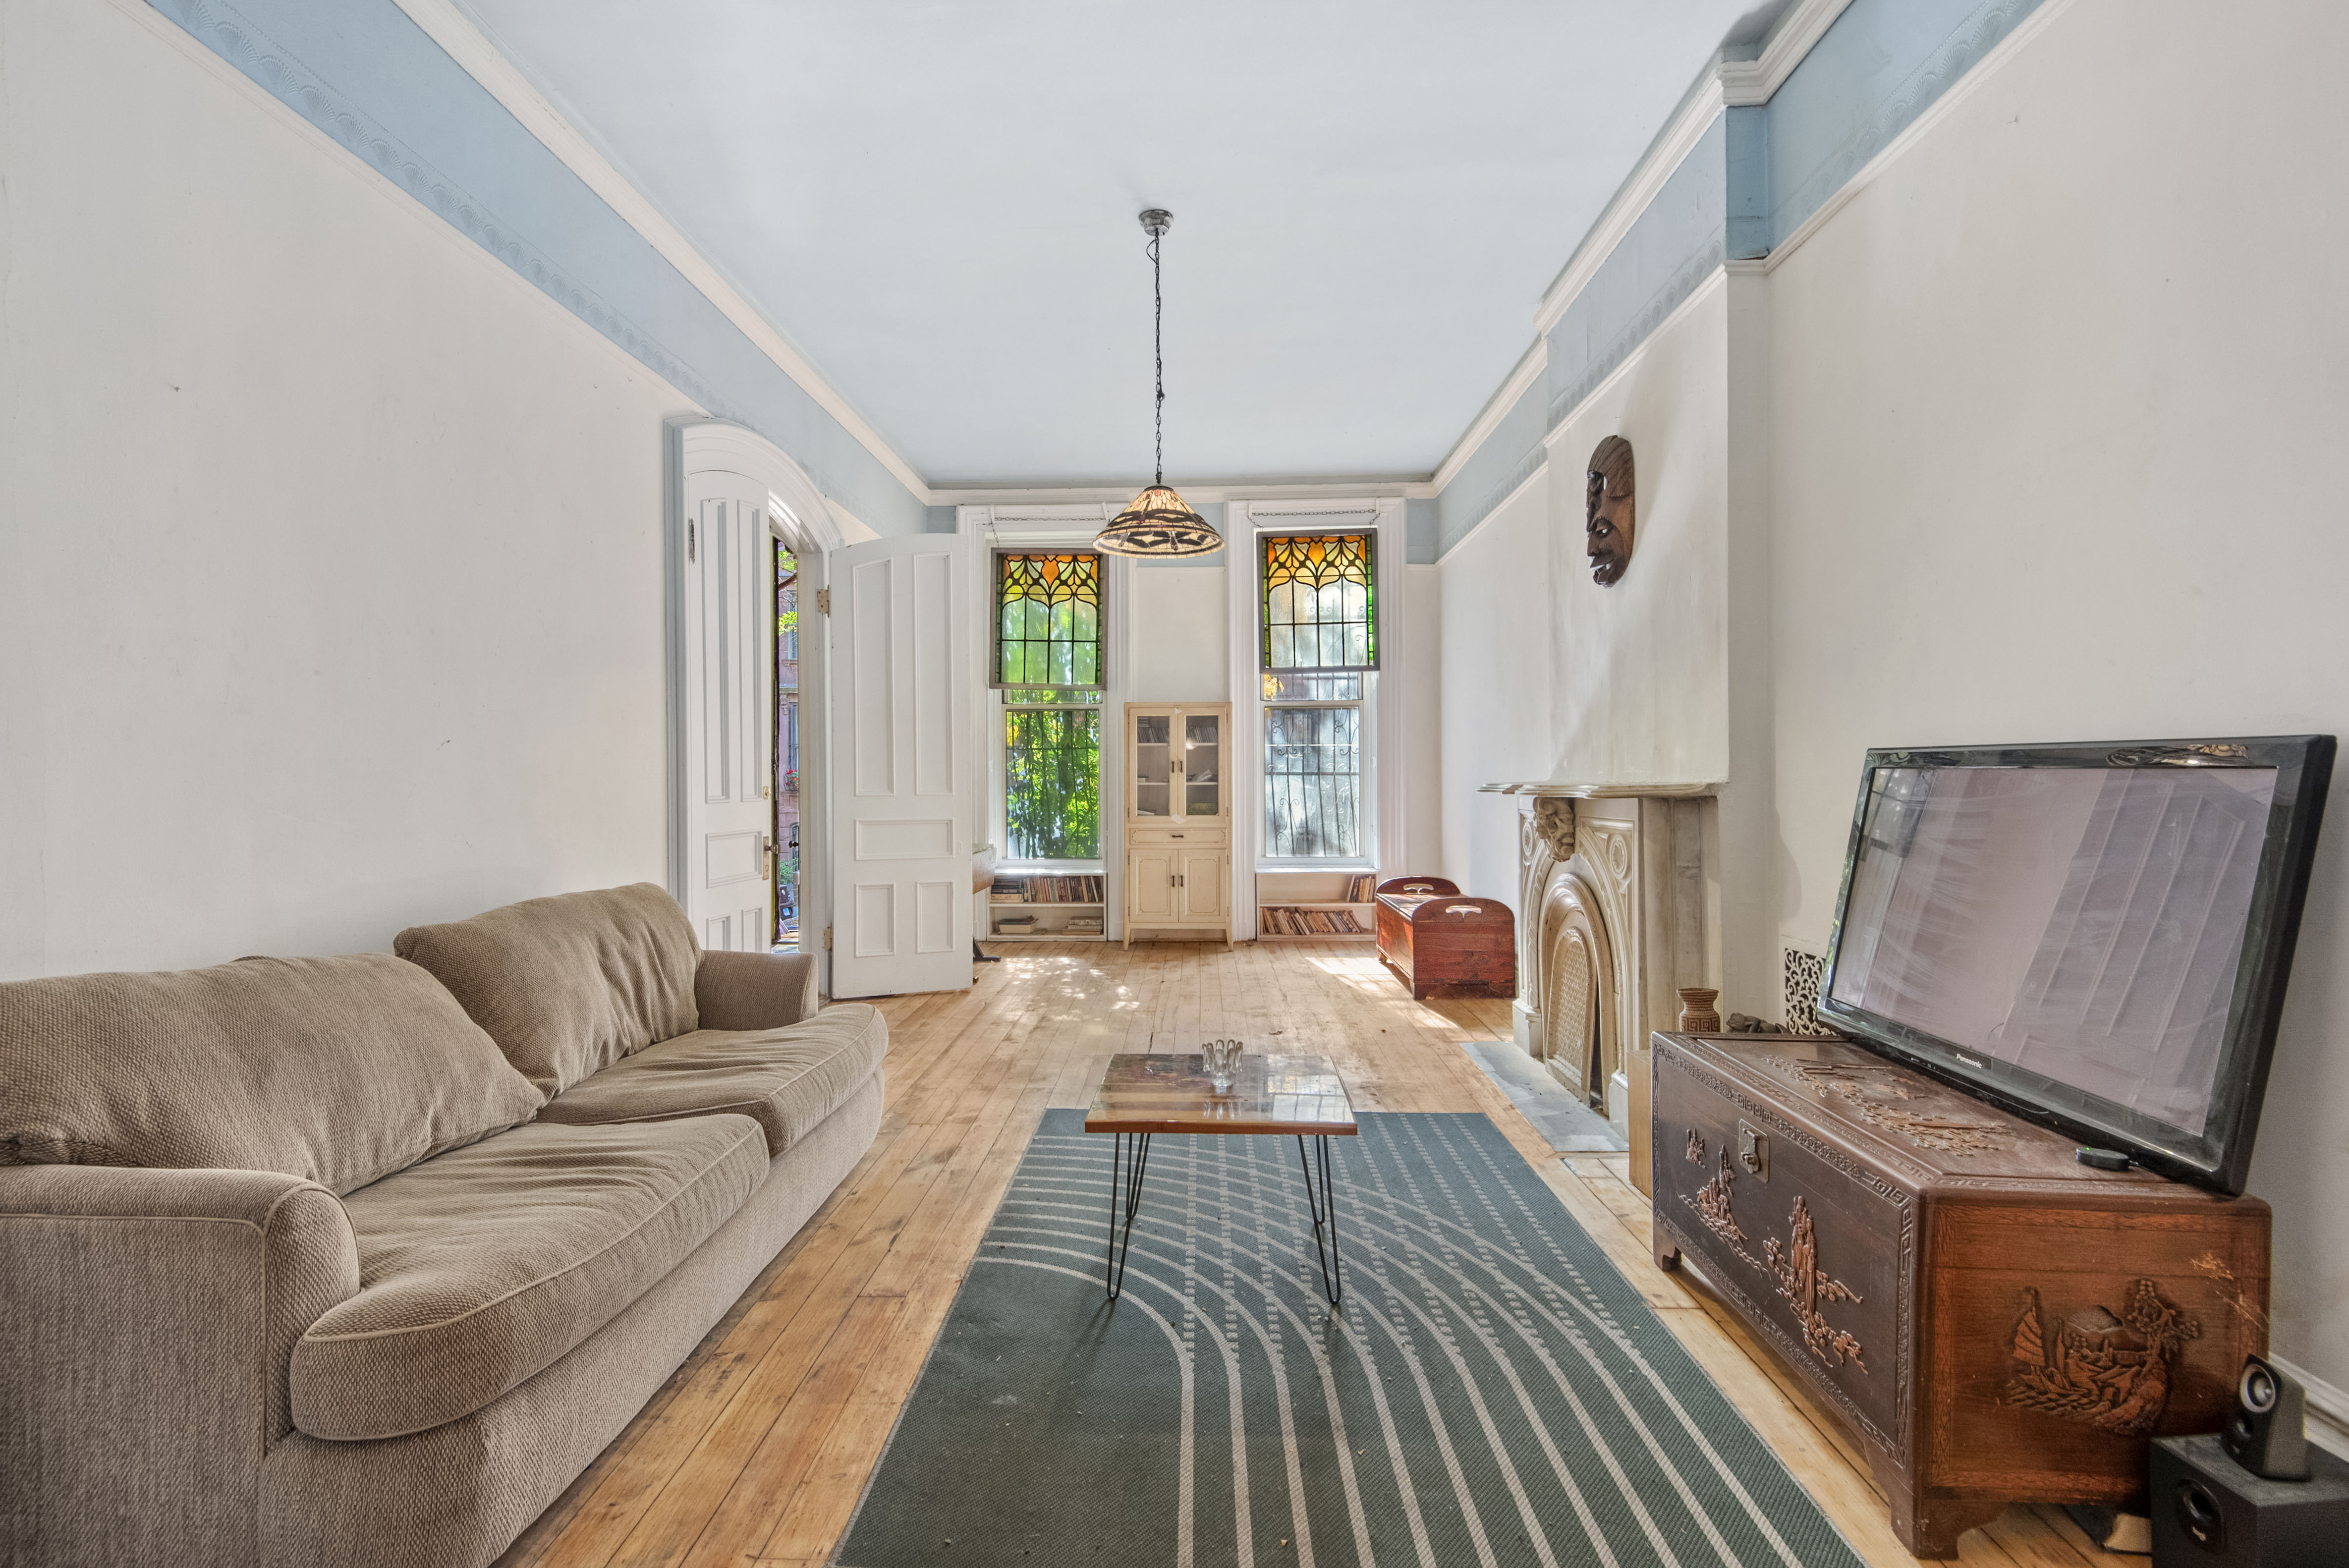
x=1052 y=782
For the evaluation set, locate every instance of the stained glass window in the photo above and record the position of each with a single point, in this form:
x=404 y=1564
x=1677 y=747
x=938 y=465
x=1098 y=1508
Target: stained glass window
x=1320 y=608
x=1048 y=621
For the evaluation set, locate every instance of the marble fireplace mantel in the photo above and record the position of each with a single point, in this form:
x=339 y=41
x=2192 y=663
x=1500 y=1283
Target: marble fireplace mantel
x=1617 y=900
x=1560 y=789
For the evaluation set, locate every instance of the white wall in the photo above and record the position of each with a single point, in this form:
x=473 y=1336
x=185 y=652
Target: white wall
x=1639 y=675
x=1548 y=675
x=2059 y=454
x=1182 y=651
x=330 y=584
x=1496 y=609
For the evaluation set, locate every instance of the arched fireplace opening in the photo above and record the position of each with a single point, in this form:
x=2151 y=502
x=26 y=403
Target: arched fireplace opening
x=1578 y=990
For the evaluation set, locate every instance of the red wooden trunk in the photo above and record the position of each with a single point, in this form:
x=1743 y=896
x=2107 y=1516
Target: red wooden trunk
x=1432 y=936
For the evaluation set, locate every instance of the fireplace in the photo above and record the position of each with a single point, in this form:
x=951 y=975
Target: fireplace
x=1616 y=888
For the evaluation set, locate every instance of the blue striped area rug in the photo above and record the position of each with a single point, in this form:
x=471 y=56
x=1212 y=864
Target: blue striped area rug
x=1490 y=1392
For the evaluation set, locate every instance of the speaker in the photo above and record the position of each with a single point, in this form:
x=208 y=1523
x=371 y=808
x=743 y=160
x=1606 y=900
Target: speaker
x=2267 y=1433
x=2211 y=1512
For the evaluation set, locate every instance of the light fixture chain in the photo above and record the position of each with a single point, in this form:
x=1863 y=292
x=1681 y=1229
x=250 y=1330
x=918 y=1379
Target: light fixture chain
x=1158 y=354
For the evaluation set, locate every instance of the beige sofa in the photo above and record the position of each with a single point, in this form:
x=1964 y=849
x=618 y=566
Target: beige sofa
x=315 y=1261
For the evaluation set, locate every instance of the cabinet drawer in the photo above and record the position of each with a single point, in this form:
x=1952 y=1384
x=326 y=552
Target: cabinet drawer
x=1187 y=838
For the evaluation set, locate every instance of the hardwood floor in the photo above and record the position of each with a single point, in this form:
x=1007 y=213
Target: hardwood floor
x=754 y=1454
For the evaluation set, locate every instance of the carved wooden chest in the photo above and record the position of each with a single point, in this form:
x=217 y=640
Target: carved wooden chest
x=1993 y=1320
x=1431 y=935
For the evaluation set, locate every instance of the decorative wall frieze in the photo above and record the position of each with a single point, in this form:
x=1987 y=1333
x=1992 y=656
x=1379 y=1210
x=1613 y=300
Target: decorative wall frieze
x=1749 y=161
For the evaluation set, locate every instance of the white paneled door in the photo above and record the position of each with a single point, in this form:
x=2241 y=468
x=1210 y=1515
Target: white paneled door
x=728 y=614
x=899 y=635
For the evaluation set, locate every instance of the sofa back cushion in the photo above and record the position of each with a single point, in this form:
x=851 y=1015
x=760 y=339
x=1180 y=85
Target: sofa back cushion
x=568 y=985
x=337 y=1070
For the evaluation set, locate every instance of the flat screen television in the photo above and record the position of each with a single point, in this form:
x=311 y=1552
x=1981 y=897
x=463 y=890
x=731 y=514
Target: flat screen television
x=2093 y=936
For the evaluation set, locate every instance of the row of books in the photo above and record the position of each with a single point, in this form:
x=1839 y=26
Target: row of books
x=1279 y=920
x=1025 y=925
x=1362 y=888
x=1047 y=889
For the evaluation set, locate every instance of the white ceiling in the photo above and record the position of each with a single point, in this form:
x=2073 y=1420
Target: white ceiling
x=934 y=200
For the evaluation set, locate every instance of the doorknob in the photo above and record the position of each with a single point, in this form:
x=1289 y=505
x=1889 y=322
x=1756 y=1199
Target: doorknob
x=766 y=854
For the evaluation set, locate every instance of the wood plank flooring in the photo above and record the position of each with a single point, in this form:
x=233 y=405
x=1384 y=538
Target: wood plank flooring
x=755 y=1452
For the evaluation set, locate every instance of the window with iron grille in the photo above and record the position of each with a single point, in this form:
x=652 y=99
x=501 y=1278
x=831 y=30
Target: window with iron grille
x=1052 y=775
x=1313 y=767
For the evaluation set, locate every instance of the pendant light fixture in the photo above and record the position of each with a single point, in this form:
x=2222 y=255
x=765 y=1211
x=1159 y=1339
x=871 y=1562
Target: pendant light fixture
x=1158 y=523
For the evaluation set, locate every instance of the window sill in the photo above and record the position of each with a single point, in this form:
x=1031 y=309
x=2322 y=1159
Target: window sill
x=1054 y=868
x=1314 y=863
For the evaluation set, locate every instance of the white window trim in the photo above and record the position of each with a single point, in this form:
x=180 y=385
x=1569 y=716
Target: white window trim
x=1384 y=749
x=991 y=528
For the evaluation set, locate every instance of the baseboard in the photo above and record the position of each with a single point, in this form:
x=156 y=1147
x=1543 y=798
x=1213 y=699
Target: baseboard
x=2328 y=1408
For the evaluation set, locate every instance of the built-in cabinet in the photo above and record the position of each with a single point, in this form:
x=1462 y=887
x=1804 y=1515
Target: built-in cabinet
x=1178 y=818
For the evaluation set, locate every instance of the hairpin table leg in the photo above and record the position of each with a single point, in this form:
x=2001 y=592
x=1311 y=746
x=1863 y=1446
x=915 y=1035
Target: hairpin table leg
x=1321 y=1199
x=1127 y=1161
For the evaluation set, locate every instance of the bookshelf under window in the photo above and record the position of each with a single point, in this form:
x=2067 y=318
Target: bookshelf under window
x=1046 y=906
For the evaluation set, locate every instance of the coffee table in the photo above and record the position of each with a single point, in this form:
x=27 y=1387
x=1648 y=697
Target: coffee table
x=1143 y=1095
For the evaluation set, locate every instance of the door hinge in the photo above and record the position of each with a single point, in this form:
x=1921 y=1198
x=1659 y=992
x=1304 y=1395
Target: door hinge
x=689 y=542
x=823 y=601
x=827 y=939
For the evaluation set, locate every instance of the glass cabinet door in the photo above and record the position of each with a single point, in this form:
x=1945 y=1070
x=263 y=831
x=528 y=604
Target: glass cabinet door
x=1203 y=765
x=1153 y=770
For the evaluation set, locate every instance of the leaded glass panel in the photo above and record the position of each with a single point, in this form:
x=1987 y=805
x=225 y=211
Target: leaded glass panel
x=1318 y=601
x=1048 y=621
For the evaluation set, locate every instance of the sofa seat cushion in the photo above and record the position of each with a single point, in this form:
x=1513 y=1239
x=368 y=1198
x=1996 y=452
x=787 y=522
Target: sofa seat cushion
x=569 y=984
x=337 y=1070
x=789 y=1078
x=483 y=1265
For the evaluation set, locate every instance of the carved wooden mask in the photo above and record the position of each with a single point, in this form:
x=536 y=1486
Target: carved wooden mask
x=1609 y=511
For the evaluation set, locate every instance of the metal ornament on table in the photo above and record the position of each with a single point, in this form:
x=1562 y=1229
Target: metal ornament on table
x=1223 y=1058
x=1158 y=523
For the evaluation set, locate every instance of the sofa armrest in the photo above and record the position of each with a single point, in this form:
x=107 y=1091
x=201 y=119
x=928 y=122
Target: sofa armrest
x=754 y=990
x=147 y=1320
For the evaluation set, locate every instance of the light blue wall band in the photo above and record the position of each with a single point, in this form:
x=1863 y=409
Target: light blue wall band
x=366 y=75
x=1503 y=460
x=1883 y=63
x=1673 y=246
x=1754 y=175
x=1422 y=524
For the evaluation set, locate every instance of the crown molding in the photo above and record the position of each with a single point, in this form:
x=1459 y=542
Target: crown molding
x=1717 y=280
x=1915 y=130
x=1530 y=367
x=1727 y=84
x=1072 y=495
x=1539 y=472
x=1672 y=144
x=1744 y=83
x=455 y=32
